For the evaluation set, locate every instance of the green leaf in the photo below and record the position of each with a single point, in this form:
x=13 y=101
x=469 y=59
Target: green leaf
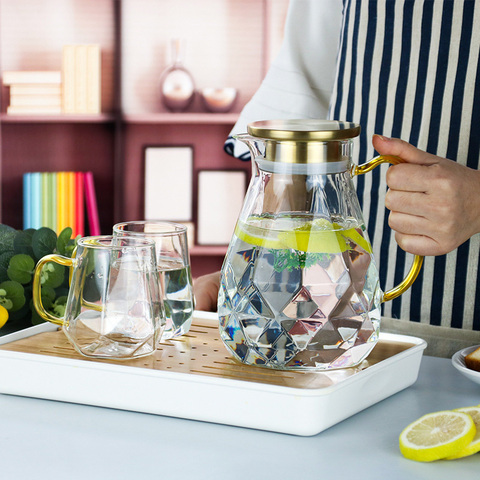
x=63 y=240
x=4 y=261
x=23 y=242
x=20 y=313
x=48 y=297
x=62 y=290
x=21 y=268
x=59 y=306
x=7 y=237
x=52 y=275
x=12 y=294
x=44 y=242
x=71 y=246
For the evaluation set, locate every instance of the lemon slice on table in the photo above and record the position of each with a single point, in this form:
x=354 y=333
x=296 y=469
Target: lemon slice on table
x=474 y=445
x=437 y=435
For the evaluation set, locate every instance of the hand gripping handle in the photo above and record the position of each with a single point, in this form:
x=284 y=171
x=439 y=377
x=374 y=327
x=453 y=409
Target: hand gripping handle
x=407 y=282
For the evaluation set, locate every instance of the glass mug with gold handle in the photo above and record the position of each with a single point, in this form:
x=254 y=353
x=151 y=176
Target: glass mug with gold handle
x=114 y=307
x=299 y=286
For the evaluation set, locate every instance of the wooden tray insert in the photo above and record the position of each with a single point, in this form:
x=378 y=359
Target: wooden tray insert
x=202 y=352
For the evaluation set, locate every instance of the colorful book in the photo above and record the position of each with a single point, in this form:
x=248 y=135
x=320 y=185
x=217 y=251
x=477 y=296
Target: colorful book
x=61 y=201
x=52 y=200
x=27 y=201
x=79 y=204
x=45 y=219
x=71 y=202
x=36 y=200
x=58 y=200
x=91 y=204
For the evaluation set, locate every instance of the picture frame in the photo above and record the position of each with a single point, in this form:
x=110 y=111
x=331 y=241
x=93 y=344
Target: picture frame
x=219 y=202
x=168 y=182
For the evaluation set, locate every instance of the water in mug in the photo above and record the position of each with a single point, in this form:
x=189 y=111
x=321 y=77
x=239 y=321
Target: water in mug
x=297 y=291
x=176 y=281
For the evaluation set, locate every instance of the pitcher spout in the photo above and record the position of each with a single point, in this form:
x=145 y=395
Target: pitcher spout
x=251 y=142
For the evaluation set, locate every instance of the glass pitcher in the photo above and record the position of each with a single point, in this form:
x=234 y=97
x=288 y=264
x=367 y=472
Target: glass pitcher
x=299 y=286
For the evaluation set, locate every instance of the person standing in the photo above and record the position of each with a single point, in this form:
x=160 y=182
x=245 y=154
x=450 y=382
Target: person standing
x=408 y=72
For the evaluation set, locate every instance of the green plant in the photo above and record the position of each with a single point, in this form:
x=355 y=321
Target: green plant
x=19 y=252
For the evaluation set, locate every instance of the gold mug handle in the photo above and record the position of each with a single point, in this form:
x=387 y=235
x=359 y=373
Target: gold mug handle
x=406 y=283
x=37 y=286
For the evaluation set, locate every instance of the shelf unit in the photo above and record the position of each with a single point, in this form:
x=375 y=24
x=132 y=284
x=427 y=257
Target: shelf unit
x=229 y=43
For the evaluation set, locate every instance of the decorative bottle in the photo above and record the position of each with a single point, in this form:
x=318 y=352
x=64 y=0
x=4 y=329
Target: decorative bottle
x=176 y=83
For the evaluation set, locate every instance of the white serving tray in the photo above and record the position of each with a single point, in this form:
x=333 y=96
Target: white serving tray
x=194 y=377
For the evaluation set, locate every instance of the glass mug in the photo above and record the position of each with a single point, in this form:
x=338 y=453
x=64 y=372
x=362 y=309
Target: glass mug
x=299 y=286
x=114 y=307
x=174 y=272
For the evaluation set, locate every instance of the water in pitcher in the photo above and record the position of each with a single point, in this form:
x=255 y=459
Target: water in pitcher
x=299 y=292
x=176 y=281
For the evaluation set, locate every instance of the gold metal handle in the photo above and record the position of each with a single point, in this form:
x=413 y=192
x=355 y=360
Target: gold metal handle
x=407 y=282
x=37 y=286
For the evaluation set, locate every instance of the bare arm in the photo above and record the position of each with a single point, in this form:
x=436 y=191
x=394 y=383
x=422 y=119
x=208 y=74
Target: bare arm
x=206 y=291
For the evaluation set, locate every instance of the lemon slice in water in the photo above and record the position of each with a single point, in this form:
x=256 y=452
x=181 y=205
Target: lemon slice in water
x=317 y=236
x=353 y=235
x=437 y=435
x=258 y=236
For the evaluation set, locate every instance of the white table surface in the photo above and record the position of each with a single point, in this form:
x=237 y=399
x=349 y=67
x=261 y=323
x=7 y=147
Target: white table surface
x=43 y=439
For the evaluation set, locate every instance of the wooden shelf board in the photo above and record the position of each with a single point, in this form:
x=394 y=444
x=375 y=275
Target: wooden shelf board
x=70 y=118
x=177 y=118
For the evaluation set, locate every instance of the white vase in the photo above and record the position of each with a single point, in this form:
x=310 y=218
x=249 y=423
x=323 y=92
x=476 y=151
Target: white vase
x=176 y=83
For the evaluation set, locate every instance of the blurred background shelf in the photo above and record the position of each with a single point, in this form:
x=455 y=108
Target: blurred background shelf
x=229 y=43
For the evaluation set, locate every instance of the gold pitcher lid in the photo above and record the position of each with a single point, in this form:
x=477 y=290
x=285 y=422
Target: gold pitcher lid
x=303 y=130
x=305 y=141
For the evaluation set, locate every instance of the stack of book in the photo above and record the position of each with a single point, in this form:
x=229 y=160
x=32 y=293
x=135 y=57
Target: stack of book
x=58 y=200
x=81 y=73
x=34 y=92
x=74 y=89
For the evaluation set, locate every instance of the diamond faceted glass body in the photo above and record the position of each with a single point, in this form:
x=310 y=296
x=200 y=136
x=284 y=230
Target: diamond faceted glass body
x=298 y=292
